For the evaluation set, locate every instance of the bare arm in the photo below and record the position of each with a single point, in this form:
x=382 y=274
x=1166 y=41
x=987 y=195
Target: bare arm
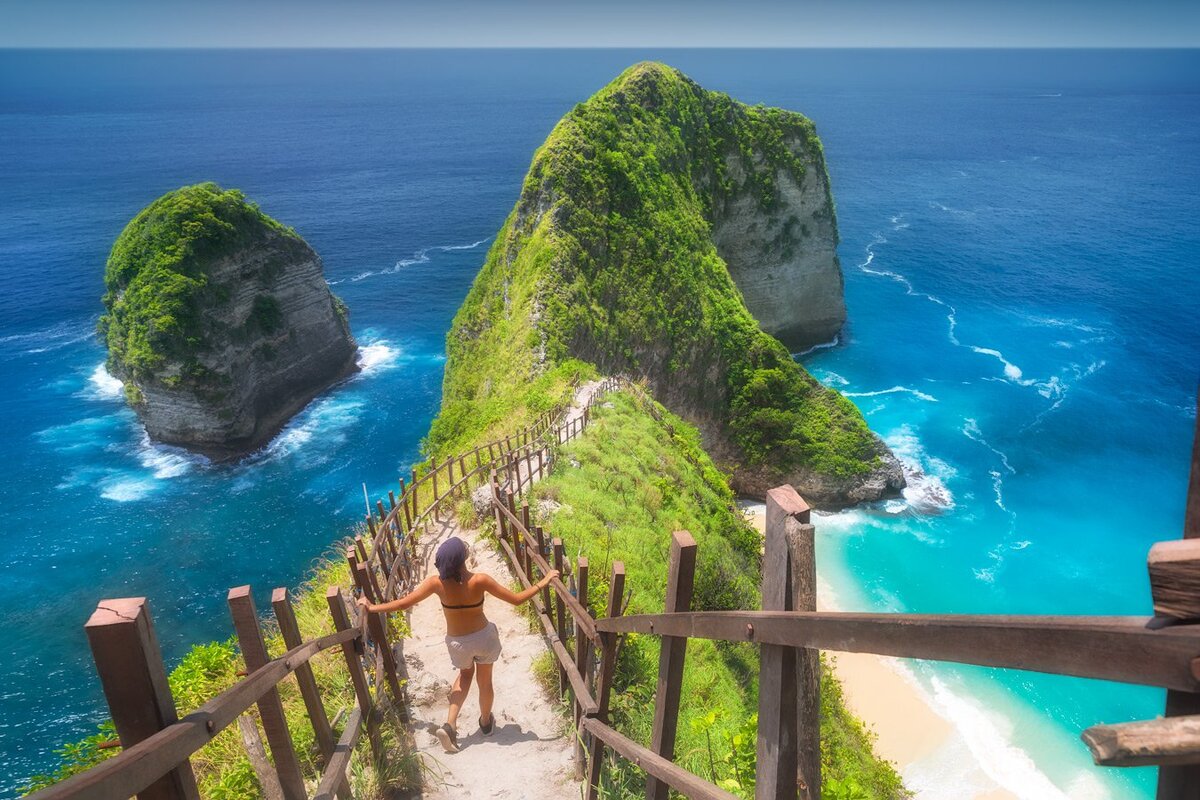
x=423 y=590
x=496 y=589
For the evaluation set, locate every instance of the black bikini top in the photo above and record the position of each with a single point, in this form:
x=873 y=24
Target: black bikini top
x=468 y=605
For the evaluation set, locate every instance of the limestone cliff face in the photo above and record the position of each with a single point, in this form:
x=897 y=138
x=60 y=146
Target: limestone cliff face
x=220 y=322
x=785 y=263
x=666 y=232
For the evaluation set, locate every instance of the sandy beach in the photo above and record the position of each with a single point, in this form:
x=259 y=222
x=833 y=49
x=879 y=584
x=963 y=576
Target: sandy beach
x=910 y=731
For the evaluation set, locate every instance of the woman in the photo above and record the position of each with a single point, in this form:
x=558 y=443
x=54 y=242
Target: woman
x=473 y=642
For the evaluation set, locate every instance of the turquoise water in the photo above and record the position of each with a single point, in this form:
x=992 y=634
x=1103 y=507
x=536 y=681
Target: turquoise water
x=1018 y=241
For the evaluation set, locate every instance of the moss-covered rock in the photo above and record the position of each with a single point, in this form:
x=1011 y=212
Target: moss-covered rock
x=643 y=216
x=219 y=321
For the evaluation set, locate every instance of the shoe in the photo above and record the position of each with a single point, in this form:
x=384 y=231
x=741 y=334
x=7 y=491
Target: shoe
x=486 y=730
x=448 y=737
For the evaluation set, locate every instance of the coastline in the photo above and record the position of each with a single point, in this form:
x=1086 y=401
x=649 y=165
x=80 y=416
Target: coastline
x=908 y=728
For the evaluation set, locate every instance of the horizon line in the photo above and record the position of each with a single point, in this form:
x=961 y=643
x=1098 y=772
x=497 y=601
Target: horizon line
x=211 y=47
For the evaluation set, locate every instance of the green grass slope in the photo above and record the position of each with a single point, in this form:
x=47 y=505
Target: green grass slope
x=620 y=490
x=607 y=259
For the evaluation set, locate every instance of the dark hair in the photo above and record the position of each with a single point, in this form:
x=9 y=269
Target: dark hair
x=451 y=559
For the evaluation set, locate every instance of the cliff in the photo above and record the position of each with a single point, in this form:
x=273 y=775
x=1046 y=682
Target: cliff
x=219 y=321
x=666 y=232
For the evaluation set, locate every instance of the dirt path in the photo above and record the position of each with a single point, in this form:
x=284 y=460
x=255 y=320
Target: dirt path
x=528 y=731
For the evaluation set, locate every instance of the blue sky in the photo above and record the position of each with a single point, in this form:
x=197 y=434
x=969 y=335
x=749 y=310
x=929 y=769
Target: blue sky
x=617 y=23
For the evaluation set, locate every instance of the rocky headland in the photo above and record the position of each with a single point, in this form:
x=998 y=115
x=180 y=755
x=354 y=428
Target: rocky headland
x=672 y=234
x=219 y=321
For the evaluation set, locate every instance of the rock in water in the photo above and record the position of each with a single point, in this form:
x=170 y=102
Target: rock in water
x=219 y=321
x=671 y=233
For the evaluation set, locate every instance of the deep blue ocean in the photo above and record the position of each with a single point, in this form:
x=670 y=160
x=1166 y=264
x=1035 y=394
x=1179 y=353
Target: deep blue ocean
x=1019 y=238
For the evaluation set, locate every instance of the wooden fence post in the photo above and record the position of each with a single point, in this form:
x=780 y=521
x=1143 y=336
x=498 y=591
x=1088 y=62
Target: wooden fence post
x=285 y=615
x=681 y=574
x=290 y=631
x=541 y=549
x=377 y=626
x=131 y=671
x=560 y=611
x=583 y=660
x=358 y=678
x=270 y=707
x=608 y=663
x=434 y=469
x=788 y=748
x=1183 y=782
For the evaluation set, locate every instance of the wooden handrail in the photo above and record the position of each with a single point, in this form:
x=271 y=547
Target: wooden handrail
x=668 y=772
x=124 y=775
x=1119 y=649
x=582 y=618
x=1169 y=741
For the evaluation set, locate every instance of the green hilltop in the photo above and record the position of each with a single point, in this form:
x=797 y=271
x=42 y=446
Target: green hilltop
x=608 y=259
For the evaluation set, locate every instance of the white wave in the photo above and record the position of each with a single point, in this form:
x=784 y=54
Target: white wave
x=419 y=257
x=55 y=337
x=988 y=736
x=831 y=378
x=925 y=475
x=104 y=386
x=325 y=423
x=823 y=346
x=124 y=489
x=971 y=430
x=894 y=390
x=377 y=357
x=1011 y=370
x=165 y=461
x=957 y=212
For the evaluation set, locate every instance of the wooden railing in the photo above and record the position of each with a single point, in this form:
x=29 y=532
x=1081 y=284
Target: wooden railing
x=157 y=745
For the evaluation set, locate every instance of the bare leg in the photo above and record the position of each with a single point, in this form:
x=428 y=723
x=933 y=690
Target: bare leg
x=458 y=694
x=487 y=694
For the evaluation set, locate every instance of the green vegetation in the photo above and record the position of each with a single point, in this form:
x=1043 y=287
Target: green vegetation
x=638 y=474
x=608 y=258
x=223 y=771
x=158 y=282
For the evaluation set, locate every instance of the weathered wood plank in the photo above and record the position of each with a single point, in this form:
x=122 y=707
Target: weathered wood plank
x=583 y=663
x=1170 y=741
x=335 y=772
x=129 y=662
x=270 y=707
x=681 y=576
x=662 y=770
x=1174 y=568
x=608 y=662
x=1120 y=649
x=257 y=754
x=351 y=651
x=776 y=767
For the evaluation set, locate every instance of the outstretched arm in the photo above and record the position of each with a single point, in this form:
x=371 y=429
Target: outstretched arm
x=423 y=590
x=497 y=589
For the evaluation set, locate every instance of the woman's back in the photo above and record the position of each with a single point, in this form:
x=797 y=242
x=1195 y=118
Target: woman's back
x=462 y=603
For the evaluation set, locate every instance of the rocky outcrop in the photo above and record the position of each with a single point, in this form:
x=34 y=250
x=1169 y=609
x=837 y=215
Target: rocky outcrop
x=670 y=233
x=785 y=263
x=220 y=323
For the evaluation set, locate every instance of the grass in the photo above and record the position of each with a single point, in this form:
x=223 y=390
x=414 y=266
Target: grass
x=622 y=489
